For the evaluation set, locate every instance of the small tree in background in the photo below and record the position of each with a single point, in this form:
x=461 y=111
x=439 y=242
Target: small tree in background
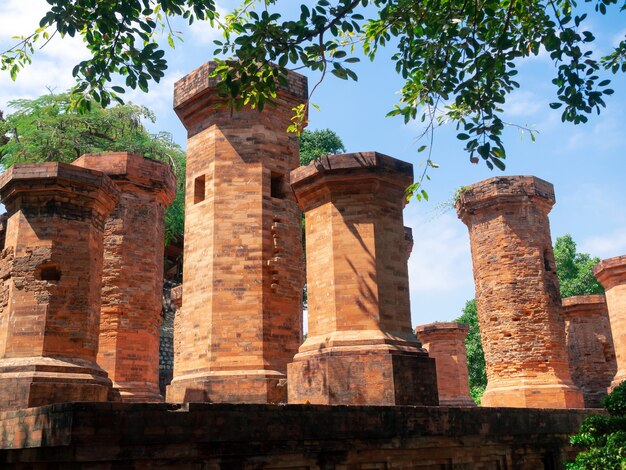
x=314 y=144
x=603 y=437
x=475 y=354
x=574 y=270
x=45 y=130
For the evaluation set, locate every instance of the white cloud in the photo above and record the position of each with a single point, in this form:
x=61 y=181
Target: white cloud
x=203 y=33
x=441 y=260
x=607 y=245
x=524 y=103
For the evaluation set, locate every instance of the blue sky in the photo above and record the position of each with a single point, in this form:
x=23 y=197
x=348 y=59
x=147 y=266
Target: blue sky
x=586 y=163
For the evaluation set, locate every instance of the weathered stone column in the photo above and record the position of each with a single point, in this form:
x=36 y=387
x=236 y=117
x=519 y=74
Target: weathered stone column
x=241 y=319
x=517 y=293
x=590 y=346
x=51 y=276
x=132 y=273
x=445 y=343
x=611 y=273
x=360 y=347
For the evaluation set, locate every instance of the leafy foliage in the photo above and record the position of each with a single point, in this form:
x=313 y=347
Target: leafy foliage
x=458 y=59
x=40 y=130
x=121 y=37
x=314 y=144
x=475 y=354
x=603 y=437
x=574 y=270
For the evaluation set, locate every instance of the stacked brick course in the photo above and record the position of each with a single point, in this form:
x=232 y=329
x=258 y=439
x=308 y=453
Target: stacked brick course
x=360 y=347
x=133 y=271
x=590 y=346
x=240 y=323
x=51 y=270
x=517 y=293
x=445 y=343
x=220 y=436
x=612 y=275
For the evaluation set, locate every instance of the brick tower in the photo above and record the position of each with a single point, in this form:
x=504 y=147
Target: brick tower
x=241 y=321
x=590 y=346
x=445 y=343
x=611 y=273
x=360 y=347
x=517 y=293
x=132 y=273
x=50 y=288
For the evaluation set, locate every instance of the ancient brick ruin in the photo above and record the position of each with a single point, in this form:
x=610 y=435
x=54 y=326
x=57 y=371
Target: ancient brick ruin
x=51 y=279
x=240 y=322
x=517 y=293
x=360 y=348
x=612 y=275
x=73 y=331
x=130 y=315
x=590 y=346
x=445 y=343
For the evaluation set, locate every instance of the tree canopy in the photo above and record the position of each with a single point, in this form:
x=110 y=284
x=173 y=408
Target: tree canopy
x=575 y=269
x=458 y=59
x=40 y=130
x=475 y=354
x=314 y=144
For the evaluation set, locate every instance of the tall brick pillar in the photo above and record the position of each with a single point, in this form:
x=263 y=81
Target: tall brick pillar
x=241 y=321
x=611 y=273
x=360 y=347
x=445 y=343
x=590 y=346
x=133 y=272
x=517 y=293
x=51 y=278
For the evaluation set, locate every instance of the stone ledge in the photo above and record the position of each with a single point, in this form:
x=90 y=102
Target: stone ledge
x=442 y=326
x=352 y=164
x=611 y=271
x=198 y=433
x=502 y=190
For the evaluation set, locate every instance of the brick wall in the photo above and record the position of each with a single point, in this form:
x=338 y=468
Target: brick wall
x=590 y=346
x=612 y=274
x=304 y=437
x=517 y=293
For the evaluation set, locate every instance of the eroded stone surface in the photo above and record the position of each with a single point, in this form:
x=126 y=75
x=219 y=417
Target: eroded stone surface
x=51 y=278
x=445 y=343
x=133 y=271
x=517 y=293
x=611 y=273
x=240 y=323
x=590 y=346
x=360 y=347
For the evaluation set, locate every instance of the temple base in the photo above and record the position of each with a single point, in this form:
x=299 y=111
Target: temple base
x=39 y=381
x=138 y=392
x=523 y=394
x=363 y=376
x=229 y=387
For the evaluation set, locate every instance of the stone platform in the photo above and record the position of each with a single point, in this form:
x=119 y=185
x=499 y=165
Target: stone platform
x=243 y=436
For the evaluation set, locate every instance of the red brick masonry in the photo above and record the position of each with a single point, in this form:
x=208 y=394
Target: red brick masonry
x=360 y=347
x=517 y=293
x=612 y=275
x=241 y=321
x=51 y=270
x=132 y=274
x=445 y=343
x=590 y=346
x=225 y=437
